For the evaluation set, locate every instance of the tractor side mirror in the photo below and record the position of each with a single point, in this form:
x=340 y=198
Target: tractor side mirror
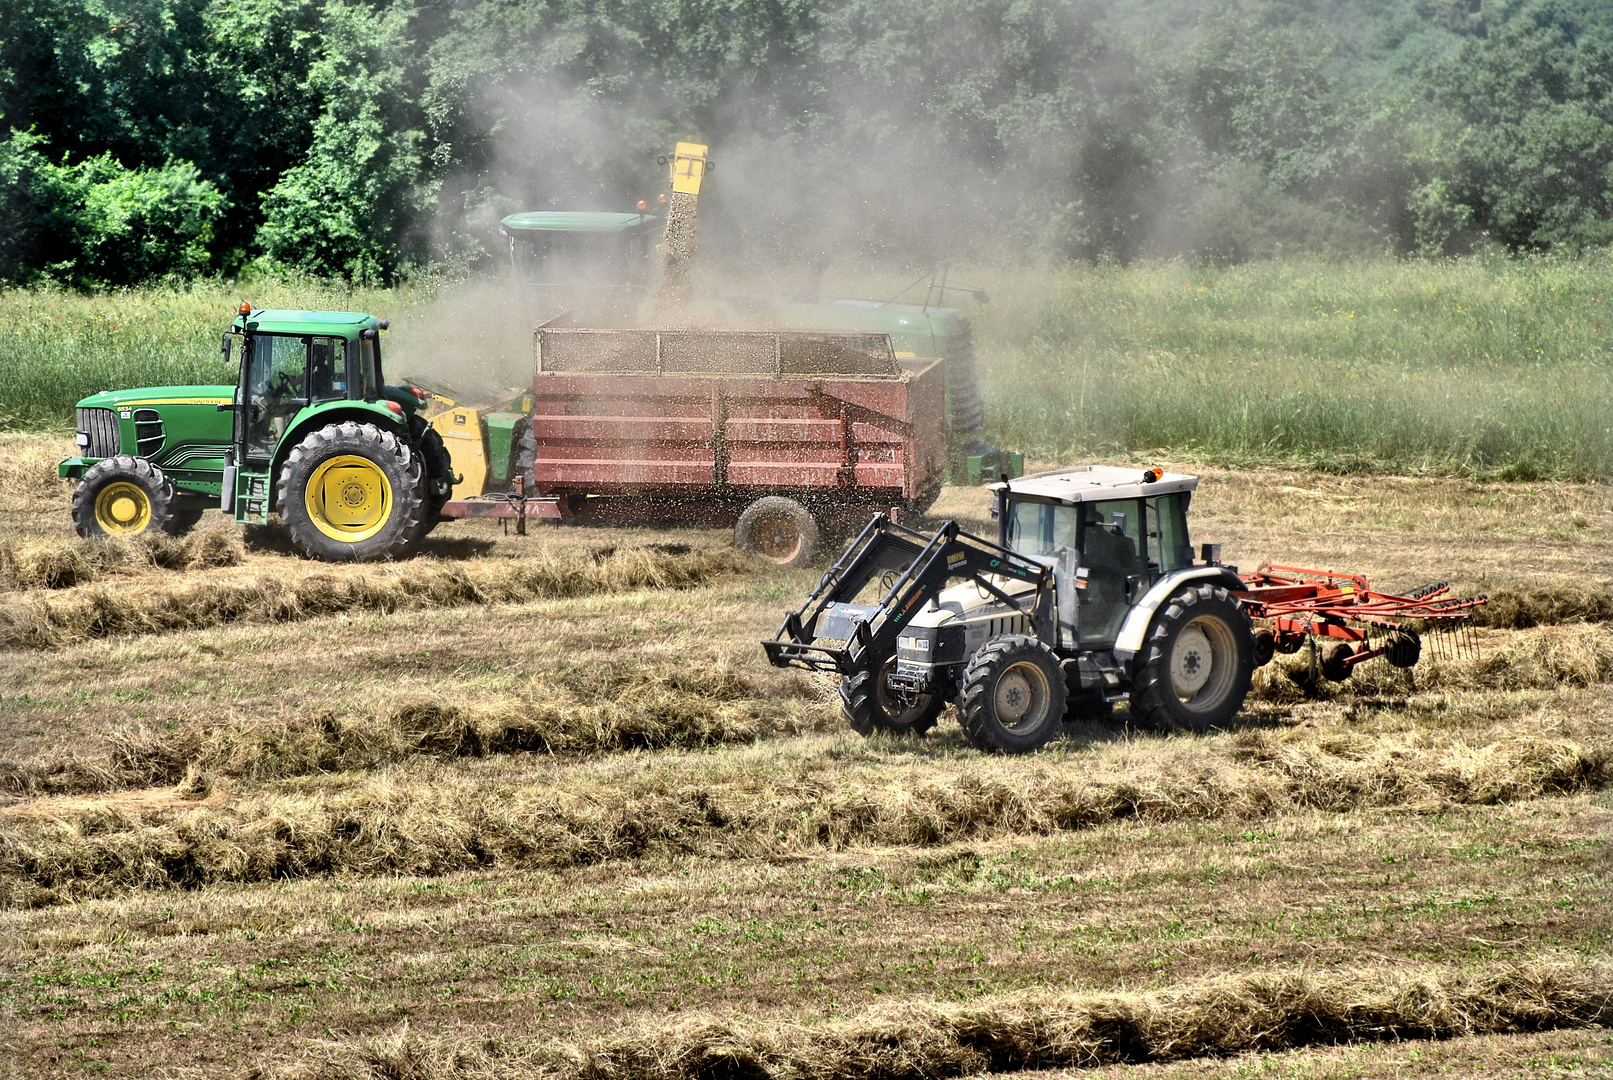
x=1117 y=524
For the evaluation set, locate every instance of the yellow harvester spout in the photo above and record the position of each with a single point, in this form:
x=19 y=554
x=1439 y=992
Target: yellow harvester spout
x=689 y=166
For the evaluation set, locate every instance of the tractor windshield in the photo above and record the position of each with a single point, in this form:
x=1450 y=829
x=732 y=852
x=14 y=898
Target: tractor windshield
x=1040 y=528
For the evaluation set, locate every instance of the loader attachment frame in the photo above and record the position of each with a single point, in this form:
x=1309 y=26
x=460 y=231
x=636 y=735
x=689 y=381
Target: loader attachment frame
x=924 y=564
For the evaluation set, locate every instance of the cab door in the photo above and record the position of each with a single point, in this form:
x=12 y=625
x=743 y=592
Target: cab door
x=273 y=387
x=1111 y=536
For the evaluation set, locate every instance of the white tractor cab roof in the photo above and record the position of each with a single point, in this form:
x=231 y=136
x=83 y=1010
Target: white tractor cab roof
x=1090 y=483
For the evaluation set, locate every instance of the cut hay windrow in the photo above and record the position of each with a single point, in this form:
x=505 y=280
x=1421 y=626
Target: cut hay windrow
x=917 y=1040
x=573 y=710
x=1540 y=659
x=1516 y=609
x=275 y=596
x=67 y=565
x=447 y=822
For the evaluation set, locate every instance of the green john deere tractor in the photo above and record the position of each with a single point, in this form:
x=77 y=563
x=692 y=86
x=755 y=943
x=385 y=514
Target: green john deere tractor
x=310 y=431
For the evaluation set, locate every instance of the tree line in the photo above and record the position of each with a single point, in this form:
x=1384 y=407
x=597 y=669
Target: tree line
x=375 y=138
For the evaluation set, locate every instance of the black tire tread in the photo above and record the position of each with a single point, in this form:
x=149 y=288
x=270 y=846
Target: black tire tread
x=350 y=435
x=1151 y=693
x=769 y=505
x=974 y=700
x=165 y=508
x=859 y=704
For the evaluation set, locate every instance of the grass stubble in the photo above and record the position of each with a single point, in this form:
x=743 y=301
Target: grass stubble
x=608 y=760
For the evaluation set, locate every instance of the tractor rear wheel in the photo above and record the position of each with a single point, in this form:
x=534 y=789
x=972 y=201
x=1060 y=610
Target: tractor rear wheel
x=777 y=529
x=352 y=492
x=870 y=707
x=1014 y=695
x=125 y=497
x=1196 y=664
x=439 y=477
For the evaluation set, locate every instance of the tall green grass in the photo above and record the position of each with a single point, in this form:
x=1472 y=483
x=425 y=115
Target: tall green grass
x=58 y=346
x=1498 y=368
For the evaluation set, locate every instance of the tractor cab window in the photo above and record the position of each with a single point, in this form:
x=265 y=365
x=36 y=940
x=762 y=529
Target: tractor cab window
x=367 y=379
x=1112 y=556
x=275 y=380
x=327 y=369
x=1168 y=546
x=1040 y=528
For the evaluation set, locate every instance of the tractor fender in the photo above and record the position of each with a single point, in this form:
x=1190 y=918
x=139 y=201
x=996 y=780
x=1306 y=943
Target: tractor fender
x=1134 y=631
x=334 y=412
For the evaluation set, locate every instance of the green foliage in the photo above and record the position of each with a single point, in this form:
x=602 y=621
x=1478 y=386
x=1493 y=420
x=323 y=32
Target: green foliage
x=348 y=208
x=104 y=224
x=367 y=137
x=1525 y=150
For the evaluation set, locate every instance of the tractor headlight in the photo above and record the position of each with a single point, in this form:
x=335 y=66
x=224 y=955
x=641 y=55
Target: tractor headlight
x=82 y=438
x=913 y=647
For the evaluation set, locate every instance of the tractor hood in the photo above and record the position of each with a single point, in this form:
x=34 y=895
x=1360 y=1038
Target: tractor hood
x=152 y=396
x=960 y=601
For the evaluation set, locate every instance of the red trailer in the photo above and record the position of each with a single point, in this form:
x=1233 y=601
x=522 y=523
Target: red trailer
x=776 y=434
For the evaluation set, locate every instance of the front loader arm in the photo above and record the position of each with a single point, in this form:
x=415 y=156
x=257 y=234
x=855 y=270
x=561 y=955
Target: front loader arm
x=930 y=562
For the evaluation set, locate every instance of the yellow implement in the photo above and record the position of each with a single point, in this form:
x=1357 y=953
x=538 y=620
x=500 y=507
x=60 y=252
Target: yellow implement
x=689 y=164
x=461 y=431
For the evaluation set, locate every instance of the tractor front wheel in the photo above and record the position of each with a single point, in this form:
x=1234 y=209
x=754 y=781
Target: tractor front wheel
x=125 y=497
x=352 y=492
x=869 y=706
x=1014 y=695
x=1196 y=664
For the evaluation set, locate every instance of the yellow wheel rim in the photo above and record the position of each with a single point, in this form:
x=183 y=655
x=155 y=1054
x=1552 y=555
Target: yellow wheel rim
x=123 y=508
x=349 y=498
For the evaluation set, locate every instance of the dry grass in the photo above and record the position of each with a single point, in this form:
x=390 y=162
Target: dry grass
x=270 y=595
x=918 y=1039
x=70 y=564
x=424 y=824
x=1517 y=609
x=574 y=709
x=1578 y=654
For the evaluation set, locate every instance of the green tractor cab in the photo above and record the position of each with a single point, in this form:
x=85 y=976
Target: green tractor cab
x=310 y=431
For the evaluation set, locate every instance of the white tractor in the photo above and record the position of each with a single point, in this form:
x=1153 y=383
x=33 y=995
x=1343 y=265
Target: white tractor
x=1092 y=594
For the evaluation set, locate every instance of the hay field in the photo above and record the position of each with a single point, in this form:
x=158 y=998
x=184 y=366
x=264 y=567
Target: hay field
x=536 y=807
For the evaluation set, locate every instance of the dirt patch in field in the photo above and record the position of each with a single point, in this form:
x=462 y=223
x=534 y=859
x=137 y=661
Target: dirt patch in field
x=918 y=1039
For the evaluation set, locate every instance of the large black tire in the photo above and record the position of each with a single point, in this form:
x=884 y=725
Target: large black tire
x=779 y=530
x=352 y=492
x=1013 y=697
x=439 y=475
x=1196 y=663
x=870 y=708
x=526 y=456
x=124 y=497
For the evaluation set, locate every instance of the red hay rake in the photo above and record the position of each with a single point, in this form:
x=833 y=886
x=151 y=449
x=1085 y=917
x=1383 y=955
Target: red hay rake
x=1347 y=624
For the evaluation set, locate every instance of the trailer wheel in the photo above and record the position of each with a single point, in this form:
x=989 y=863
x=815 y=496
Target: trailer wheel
x=1014 y=696
x=779 y=530
x=869 y=707
x=352 y=492
x=125 y=497
x=1197 y=662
